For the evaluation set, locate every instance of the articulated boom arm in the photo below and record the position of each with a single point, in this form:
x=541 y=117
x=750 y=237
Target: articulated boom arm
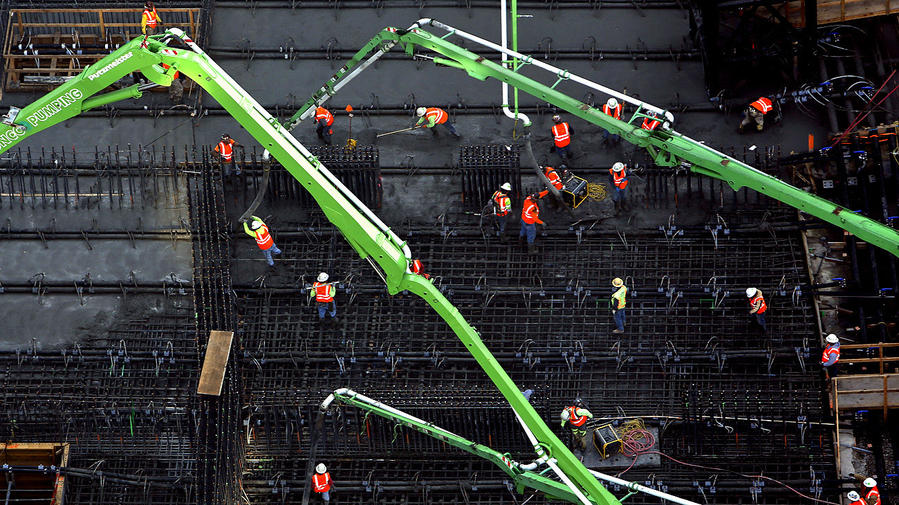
x=666 y=146
x=368 y=235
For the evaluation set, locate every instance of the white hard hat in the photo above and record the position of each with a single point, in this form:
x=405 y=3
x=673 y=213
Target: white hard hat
x=618 y=166
x=869 y=482
x=321 y=468
x=322 y=277
x=669 y=118
x=831 y=339
x=564 y=415
x=557 y=118
x=506 y=186
x=852 y=495
x=617 y=282
x=750 y=292
x=256 y=224
x=612 y=103
x=421 y=111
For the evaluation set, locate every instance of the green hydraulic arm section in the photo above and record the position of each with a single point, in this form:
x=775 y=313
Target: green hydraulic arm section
x=366 y=233
x=666 y=146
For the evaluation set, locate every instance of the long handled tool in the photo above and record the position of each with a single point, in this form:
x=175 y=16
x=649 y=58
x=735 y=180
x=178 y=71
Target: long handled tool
x=397 y=131
x=350 y=141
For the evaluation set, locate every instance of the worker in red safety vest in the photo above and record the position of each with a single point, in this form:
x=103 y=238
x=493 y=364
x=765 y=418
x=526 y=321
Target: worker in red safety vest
x=225 y=148
x=755 y=113
x=576 y=417
x=562 y=132
x=653 y=122
x=417 y=269
x=831 y=355
x=321 y=482
x=872 y=494
x=324 y=292
x=429 y=117
x=854 y=498
x=757 y=306
x=612 y=108
x=502 y=207
x=259 y=231
x=530 y=218
x=323 y=121
x=149 y=20
x=618 y=180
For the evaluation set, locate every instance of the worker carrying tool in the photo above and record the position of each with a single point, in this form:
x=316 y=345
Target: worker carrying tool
x=555 y=181
x=323 y=121
x=502 y=207
x=619 y=301
x=225 y=148
x=854 y=498
x=831 y=354
x=756 y=112
x=618 y=180
x=612 y=108
x=872 y=494
x=561 y=137
x=433 y=116
x=321 y=482
x=324 y=292
x=576 y=416
x=259 y=231
x=530 y=218
x=417 y=269
x=149 y=20
x=757 y=306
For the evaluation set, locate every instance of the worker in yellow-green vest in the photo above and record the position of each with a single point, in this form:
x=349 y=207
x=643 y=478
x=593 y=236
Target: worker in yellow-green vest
x=618 y=303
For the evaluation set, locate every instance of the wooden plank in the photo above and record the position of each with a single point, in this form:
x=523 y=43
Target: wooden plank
x=102 y=25
x=215 y=362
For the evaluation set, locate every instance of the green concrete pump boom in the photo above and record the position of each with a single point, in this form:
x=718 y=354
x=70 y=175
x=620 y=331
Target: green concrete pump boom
x=666 y=146
x=366 y=233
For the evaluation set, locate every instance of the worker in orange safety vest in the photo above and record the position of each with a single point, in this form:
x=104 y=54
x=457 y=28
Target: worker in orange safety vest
x=149 y=20
x=225 y=148
x=324 y=292
x=612 y=108
x=757 y=306
x=530 y=218
x=259 y=231
x=323 y=121
x=854 y=498
x=562 y=132
x=429 y=117
x=576 y=416
x=831 y=354
x=618 y=180
x=502 y=207
x=872 y=494
x=417 y=269
x=321 y=482
x=755 y=113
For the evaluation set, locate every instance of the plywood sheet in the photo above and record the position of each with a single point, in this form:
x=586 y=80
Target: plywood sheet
x=215 y=362
x=867 y=391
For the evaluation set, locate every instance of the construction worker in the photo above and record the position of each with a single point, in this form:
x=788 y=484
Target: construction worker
x=259 y=231
x=555 y=181
x=618 y=180
x=576 y=416
x=176 y=89
x=872 y=494
x=324 y=292
x=619 y=301
x=321 y=482
x=755 y=113
x=757 y=306
x=323 y=121
x=502 y=206
x=149 y=20
x=434 y=116
x=831 y=354
x=854 y=498
x=530 y=218
x=417 y=269
x=561 y=137
x=612 y=108
x=225 y=148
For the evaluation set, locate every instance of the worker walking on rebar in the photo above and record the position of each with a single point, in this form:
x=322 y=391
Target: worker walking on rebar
x=530 y=218
x=831 y=355
x=225 y=148
x=755 y=113
x=324 y=292
x=618 y=180
x=611 y=108
x=576 y=416
x=619 y=302
x=323 y=121
x=757 y=306
x=259 y=231
x=321 y=482
x=149 y=20
x=562 y=133
x=432 y=116
x=502 y=207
